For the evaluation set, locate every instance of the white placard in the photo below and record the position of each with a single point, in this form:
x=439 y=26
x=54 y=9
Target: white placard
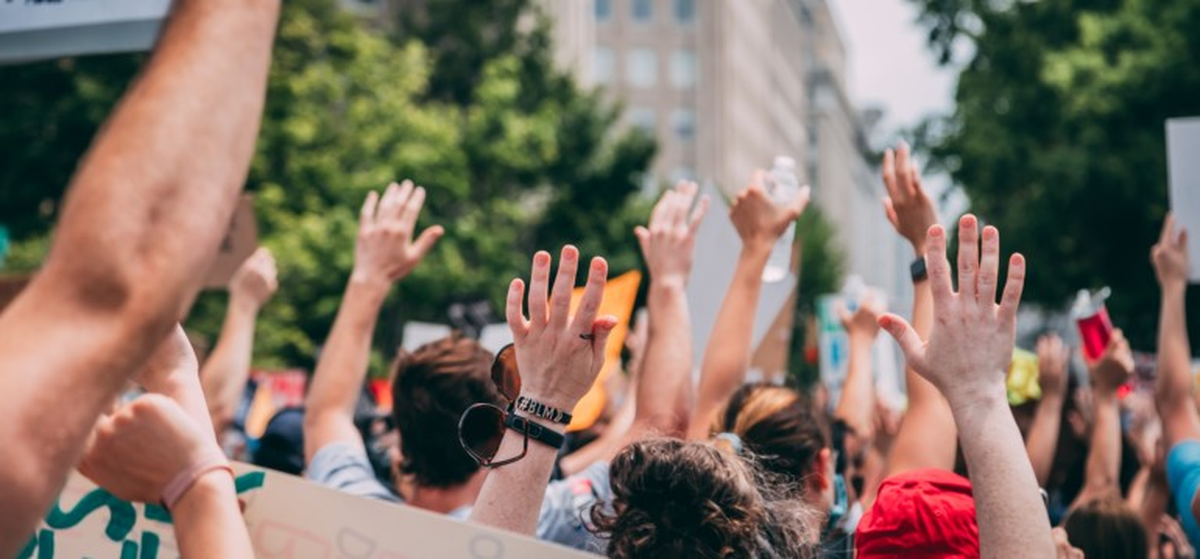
x=1183 y=163
x=286 y=516
x=38 y=30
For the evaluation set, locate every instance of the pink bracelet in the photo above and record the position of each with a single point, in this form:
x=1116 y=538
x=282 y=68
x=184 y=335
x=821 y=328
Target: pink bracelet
x=184 y=480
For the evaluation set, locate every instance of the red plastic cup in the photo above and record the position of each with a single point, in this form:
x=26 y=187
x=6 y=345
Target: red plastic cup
x=1095 y=327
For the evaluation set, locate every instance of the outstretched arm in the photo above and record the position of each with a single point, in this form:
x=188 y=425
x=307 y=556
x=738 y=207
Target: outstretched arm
x=1103 y=472
x=559 y=359
x=759 y=222
x=385 y=252
x=142 y=220
x=856 y=407
x=1174 y=387
x=966 y=357
x=1043 y=434
x=227 y=369
x=927 y=438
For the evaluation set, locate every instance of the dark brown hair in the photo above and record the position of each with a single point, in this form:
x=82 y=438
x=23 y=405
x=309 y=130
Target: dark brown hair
x=674 y=498
x=784 y=429
x=431 y=388
x=1107 y=529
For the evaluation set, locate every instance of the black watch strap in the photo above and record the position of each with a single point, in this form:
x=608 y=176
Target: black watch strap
x=542 y=411
x=918 y=269
x=536 y=431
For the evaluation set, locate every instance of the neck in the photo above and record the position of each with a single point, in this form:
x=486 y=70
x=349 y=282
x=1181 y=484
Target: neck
x=444 y=500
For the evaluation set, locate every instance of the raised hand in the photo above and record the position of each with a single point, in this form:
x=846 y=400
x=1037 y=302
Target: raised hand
x=255 y=281
x=907 y=206
x=386 y=250
x=140 y=449
x=1114 y=367
x=971 y=343
x=669 y=243
x=1170 y=257
x=1053 y=356
x=864 y=322
x=559 y=356
x=758 y=219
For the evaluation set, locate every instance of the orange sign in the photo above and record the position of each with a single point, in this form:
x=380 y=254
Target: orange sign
x=619 y=297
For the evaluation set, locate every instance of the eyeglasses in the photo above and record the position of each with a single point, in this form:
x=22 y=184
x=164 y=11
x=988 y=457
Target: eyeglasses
x=481 y=427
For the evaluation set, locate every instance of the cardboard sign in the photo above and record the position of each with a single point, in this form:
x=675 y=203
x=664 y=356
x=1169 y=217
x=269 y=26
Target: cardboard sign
x=37 y=30
x=286 y=516
x=241 y=240
x=1183 y=162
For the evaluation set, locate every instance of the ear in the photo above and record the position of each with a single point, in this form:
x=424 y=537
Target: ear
x=821 y=475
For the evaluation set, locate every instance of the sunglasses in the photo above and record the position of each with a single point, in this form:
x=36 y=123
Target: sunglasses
x=481 y=427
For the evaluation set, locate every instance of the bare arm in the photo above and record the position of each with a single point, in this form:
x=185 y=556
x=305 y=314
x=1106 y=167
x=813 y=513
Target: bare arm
x=927 y=437
x=385 y=252
x=857 y=405
x=142 y=220
x=227 y=369
x=1104 y=456
x=559 y=358
x=1174 y=387
x=966 y=356
x=1043 y=434
x=759 y=223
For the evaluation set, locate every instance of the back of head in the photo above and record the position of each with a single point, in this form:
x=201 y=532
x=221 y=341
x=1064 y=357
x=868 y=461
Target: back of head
x=673 y=498
x=431 y=388
x=931 y=510
x=1107 y=528
x=782 y=428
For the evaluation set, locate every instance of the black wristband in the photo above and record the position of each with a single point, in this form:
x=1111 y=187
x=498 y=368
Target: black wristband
x=542 y=411
x=536 y=431
x=918 y=270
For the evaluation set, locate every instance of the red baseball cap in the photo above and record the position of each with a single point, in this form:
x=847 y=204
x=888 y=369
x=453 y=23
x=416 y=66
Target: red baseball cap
x=920 y=513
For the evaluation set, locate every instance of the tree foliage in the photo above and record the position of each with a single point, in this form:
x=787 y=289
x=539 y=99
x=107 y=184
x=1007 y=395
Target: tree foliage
x=1058 y=135
x=518 y=158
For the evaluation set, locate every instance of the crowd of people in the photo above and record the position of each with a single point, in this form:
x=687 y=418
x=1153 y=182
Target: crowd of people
x=718 y=468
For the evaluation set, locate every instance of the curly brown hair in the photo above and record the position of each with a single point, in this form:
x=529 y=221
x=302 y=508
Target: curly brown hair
x=674 y=498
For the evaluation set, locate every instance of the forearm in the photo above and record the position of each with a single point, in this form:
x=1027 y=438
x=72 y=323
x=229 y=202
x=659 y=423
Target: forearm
x=666 y=374
x=1013 y=520
x=208 y=520
x=1175 y=385
x=511 y=497
x=225 y=373
x=1043 y=436
x=857 y=404
x=1104 y=457
x=1154 y=503
x=727 y=356
x=342 y=369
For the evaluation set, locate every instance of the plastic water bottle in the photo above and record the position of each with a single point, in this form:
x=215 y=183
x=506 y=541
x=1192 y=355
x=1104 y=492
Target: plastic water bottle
x=853 y=291
x=784 y=186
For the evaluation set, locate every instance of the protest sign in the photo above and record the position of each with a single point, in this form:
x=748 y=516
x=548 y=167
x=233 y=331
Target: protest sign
x=39 y=30
x=1183 y=161
x=241 y=240
x=287 y=517
x=619 y=297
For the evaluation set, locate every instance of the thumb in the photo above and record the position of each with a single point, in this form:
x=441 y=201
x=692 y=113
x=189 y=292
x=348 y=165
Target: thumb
x=889 y=210
x=801 y=201
x=910 y=342
x=601 y=329
x=427 y=239
x=843 y=315
x=643 y=238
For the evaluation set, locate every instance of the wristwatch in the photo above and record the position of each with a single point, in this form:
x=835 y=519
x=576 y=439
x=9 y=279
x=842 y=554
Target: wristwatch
x=918 y=269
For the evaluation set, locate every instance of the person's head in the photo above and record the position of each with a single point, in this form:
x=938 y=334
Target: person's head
x=1107 y=528
x=674 y=498
x=932 y=510
x=787 y=433
x=282 y=445
x=431 y=388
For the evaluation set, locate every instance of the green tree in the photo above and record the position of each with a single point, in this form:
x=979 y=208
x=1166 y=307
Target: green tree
x=1058 y=135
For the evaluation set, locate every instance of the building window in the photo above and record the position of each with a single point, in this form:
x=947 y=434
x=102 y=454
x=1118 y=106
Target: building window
x=603 y=10
x=641 y=69
x=685 y=11
x=683 y=123
x=683 y=68
x=642 y=10
x=603 y=65
x=643 y=119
